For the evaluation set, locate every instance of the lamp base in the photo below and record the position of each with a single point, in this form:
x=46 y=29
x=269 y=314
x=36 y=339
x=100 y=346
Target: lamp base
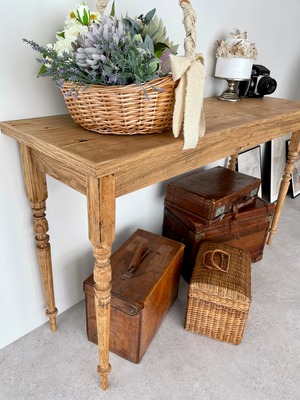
x=230 y=94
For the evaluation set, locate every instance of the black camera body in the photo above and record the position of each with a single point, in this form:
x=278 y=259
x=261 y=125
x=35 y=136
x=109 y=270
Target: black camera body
x=260 y=83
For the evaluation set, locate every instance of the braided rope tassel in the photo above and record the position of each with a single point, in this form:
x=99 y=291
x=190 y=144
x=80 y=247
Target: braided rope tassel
x=101 y=5
x=188 y=110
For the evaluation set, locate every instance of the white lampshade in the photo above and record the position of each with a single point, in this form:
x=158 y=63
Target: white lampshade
x=233 y=68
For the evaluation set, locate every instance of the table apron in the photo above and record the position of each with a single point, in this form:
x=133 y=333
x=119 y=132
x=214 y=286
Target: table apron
x=59 y=170
x=140 y=172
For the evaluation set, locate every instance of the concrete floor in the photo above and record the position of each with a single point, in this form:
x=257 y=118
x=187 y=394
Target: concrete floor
x=178 y=364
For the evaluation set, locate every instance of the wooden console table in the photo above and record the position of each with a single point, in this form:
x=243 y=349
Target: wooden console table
x=104 y=167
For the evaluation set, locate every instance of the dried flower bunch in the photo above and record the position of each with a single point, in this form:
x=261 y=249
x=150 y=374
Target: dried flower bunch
x=105 y=50
x=237 y=45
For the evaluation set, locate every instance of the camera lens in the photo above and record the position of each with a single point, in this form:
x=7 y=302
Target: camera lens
x=266 y=85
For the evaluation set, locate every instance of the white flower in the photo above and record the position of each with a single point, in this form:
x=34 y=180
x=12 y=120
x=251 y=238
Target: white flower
x=76 y=22
x=62 y=45
x=95 y=16
x=237 y=45
x=83 y=14
x=68 y=35
x=73 y=30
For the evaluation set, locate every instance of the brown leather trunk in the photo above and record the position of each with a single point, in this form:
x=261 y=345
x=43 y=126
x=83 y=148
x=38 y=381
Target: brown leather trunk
x=145 y=279
x=246 y=230
x=212 y=193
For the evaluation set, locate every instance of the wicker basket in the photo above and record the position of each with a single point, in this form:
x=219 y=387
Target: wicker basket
x=124 y=110
x=219 y=295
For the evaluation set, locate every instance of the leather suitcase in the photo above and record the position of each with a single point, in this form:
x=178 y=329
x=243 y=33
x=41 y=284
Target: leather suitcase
x=212 y=193
x=145 y=280
x=247 y=230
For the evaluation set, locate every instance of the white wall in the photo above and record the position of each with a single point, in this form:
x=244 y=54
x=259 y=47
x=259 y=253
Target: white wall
x=272 y=24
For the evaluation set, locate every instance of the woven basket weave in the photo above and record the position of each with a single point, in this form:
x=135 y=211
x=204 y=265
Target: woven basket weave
x=124 y=110
x=220 y=292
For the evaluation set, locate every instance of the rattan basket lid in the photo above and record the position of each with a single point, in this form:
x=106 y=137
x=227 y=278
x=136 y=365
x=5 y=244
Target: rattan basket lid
x=222 y=271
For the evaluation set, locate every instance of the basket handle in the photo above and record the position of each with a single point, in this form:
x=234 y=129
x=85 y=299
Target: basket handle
x=189 y=19
x=209 y=260
x=101 y=6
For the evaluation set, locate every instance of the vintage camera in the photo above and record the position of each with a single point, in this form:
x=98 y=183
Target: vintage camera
x=259 y=84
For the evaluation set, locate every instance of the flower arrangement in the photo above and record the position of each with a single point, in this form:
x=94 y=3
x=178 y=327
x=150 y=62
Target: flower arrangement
x=95 y=49
x=237 y=45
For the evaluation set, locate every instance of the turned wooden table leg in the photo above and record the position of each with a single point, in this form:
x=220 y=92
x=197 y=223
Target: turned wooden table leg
x=101 y=218
x=36 y=191
x=294 y=149
x=233 y=161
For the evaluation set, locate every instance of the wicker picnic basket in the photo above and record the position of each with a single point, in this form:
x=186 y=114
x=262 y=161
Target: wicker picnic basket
x=124 y=110
x=219 y=294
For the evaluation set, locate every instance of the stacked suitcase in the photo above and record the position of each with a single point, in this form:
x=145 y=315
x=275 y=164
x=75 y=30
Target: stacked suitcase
x=218 y=205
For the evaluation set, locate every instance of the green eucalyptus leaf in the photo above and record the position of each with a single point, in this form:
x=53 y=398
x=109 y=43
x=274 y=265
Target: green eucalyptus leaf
x=153 y=66
x=131 y=24
x=148 y=42
x=138 y=38
x=149 y=16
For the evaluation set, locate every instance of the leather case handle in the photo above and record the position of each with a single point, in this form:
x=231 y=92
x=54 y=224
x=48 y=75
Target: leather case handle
x=210 y=260
x=140 y=253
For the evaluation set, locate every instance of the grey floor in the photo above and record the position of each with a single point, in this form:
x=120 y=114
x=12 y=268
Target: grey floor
x=178 y=364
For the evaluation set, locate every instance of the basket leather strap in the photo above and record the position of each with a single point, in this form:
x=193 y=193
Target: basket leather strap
x=209 y=260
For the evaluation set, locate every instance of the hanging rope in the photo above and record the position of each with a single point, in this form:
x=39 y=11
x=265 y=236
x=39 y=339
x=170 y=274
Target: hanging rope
x=188 y=111
x=101 y=5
